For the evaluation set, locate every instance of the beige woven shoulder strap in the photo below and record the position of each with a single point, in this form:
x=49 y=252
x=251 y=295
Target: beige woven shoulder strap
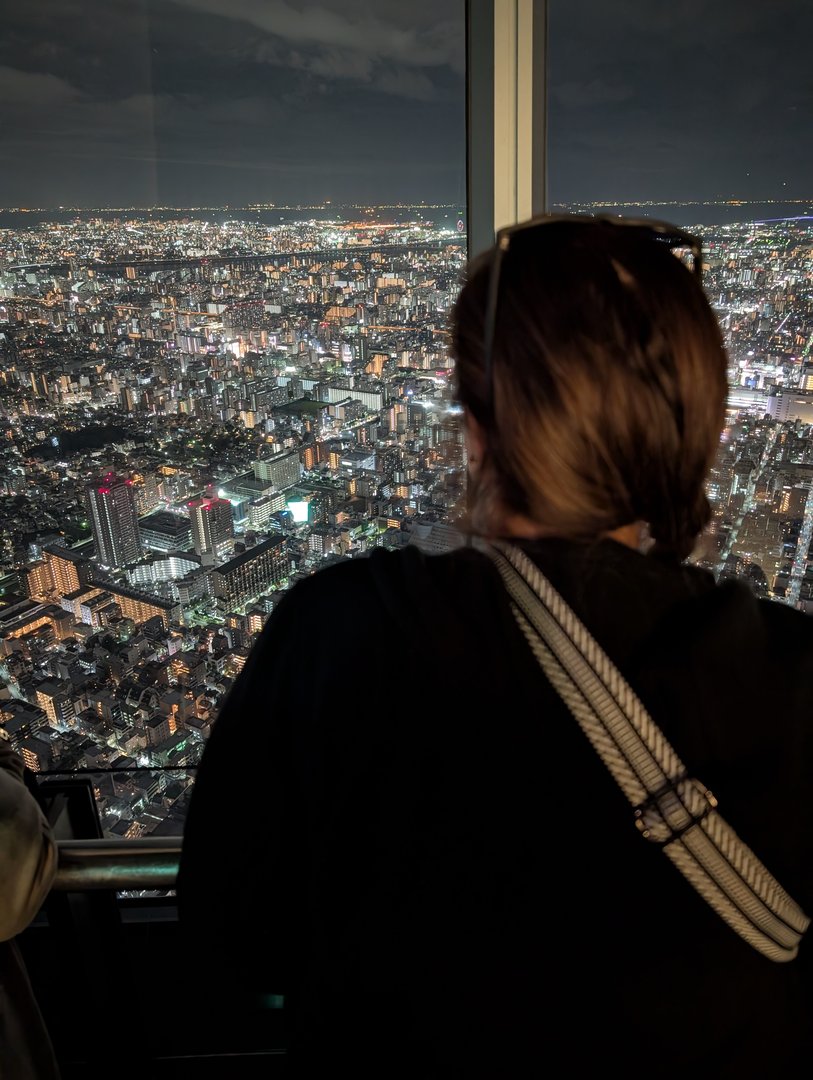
x=670 y=808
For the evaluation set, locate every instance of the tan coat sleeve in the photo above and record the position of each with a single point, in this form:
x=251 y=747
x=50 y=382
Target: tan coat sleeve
x=27 y=850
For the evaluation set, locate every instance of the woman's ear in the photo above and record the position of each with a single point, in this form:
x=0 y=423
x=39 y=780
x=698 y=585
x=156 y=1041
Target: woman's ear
x=475 y=442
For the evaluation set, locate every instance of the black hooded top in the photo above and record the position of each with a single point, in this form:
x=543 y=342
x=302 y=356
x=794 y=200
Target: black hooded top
x=399 y=826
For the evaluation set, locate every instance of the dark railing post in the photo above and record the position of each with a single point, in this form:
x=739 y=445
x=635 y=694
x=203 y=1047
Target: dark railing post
x=85 y=931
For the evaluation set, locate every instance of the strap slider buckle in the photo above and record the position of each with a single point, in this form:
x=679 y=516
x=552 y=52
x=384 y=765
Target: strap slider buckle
x=670 y=812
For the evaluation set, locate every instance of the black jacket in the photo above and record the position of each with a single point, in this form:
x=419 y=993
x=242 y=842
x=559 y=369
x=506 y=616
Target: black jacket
x=399 y=826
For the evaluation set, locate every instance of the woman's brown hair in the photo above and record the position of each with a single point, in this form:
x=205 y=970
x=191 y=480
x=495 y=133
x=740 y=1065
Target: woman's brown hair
x=608 y=385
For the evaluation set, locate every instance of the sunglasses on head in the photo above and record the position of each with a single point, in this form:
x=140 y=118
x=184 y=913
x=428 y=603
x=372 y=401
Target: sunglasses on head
x=659 y=232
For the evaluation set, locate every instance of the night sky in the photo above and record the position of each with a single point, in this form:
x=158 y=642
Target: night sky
x=212 y=102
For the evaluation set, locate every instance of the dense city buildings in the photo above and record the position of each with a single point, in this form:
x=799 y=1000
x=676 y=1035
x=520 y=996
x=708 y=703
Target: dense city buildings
x=197 y=412
x=759 y=277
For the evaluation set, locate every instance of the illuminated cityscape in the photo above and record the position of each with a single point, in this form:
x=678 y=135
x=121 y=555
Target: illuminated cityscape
x=195 y=415
x=232 y=235
x=759 y=277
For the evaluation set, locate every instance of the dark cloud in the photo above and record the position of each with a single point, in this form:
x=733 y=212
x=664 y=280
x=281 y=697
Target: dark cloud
x=411 y=35
x=698 y=100
x=195 y=102
x=205 y=102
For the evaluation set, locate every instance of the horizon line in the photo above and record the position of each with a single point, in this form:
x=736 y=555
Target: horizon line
x=260 y=207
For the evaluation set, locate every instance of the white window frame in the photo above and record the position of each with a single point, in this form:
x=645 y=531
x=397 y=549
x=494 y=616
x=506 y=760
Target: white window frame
x=506 y=115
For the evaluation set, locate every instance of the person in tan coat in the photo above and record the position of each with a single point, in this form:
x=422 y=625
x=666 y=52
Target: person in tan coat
x=28 y=861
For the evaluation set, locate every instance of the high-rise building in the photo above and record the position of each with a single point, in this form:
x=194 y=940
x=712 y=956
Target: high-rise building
x=60 y=571
x=54 y=698
x=39 y=580
x=113 y=521
x=164 y=531
x=282 y=470
x=251 y=574
x=141 y=607
x=212 y=529
x=69 y=570
x=36 y=752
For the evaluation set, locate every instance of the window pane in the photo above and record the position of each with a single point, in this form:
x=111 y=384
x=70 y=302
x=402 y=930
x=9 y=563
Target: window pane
x=700 y=113
x=231 y=238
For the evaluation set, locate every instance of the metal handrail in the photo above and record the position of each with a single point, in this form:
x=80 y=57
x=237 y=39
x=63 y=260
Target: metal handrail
x=148 y=863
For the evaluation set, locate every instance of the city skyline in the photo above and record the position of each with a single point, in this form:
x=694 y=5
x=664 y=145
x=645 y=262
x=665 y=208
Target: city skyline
x=198 y=414
x=203 y=103
x=207 y=393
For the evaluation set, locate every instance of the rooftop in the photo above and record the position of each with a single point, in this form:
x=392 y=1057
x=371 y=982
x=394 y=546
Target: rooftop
x=251 y=553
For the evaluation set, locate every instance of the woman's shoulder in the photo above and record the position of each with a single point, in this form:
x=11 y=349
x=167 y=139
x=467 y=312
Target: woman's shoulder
x=386 y=581
x=381 y=568
x=784 y=626
x=789 y=630
x=727 y=616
